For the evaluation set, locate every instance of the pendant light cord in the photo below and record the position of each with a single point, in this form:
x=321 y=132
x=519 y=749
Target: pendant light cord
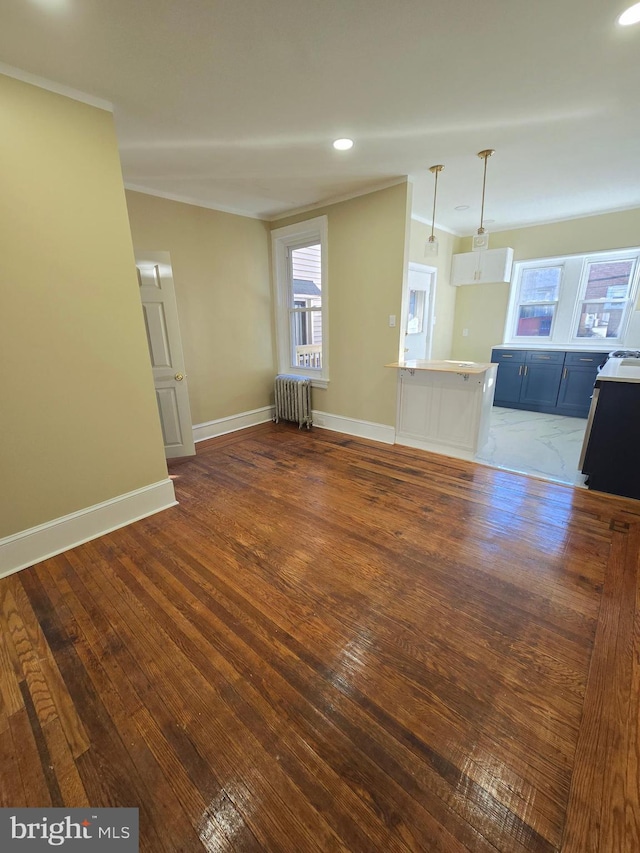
x=435 y=170
x=484 y=154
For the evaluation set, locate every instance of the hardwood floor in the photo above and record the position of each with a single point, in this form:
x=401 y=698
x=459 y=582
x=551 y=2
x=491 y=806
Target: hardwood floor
x=332 y=644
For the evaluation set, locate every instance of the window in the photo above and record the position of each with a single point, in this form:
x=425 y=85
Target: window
x=539 y=292
x=581 y=298
x=605 y=299
x=300 y=278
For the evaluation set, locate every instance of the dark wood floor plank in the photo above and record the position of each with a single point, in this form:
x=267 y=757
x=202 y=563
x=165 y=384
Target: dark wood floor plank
x=178 y=674
x=332 y=644
x=27 y=758
x=9 y=685
x=237 y=618
x=526 y=720
x=12 y=792
x=113 y=779
x=296 y=755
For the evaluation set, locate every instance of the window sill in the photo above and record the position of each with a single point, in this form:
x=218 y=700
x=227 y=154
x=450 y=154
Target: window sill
x=319 y=383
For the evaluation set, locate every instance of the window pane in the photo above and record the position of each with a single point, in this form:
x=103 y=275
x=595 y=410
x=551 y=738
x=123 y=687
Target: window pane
x=306 y=339
x=535 y=321
x=540 y=285
x=601 y=319
x=306 y=264
x=306 y=325
x=609 y=280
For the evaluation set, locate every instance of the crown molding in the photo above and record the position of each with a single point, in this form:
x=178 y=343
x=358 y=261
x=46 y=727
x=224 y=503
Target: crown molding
x=438 y=227
x=57 y=88
x=187 y=200
x=393 y=182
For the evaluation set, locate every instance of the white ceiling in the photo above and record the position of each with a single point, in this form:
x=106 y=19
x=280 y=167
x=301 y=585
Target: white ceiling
x=233 y=104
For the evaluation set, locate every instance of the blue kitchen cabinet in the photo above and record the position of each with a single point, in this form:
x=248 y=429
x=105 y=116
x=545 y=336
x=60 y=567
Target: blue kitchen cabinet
x=509 y=379
x=541 y=379
x=551 y=381
x=576 y=385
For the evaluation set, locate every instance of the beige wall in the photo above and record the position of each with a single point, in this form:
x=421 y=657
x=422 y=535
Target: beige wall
x=366 y=262
x=483 y=308
x=221 y=271
x=78 y=421
x=445 y=301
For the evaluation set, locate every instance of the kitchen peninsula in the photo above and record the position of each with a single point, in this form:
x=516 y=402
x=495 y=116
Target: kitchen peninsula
x=444 y=406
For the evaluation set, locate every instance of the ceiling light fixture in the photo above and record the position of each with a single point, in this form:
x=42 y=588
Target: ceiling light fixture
x=631 y=16
x=481 y=239
x=343 y=144
x=432 y=243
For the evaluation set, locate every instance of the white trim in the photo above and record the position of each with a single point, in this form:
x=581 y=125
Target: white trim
x=431 y=306
x=46 y=540
x=393 y=182
x=424 y=221
x=350 y=426
x=222 y=426
x=282 y=240
x=183 y=199
x=434 y=447
x=567 y=306
x=516 y=226
x=57 y=88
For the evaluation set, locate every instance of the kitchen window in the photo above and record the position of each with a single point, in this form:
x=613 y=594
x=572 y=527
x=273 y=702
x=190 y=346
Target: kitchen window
x=605 y=292
x=300 y=281
x=585 y=299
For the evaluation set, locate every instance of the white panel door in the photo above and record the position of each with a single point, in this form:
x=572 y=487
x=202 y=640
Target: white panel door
x=165 y=348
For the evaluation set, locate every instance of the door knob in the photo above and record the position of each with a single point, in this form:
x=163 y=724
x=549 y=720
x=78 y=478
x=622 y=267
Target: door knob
x=178 y=377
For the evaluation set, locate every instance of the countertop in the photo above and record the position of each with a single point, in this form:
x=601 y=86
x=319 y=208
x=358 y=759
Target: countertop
x=443 y=366
x=602 y=346
x=621 y=370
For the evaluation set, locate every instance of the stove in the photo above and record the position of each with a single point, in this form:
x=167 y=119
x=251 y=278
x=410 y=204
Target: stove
x=625 y=353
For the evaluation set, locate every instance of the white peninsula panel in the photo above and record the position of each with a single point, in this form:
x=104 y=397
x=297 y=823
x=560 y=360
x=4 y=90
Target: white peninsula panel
x=445 y=406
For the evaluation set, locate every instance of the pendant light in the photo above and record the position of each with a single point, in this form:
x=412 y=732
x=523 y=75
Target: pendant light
x=481 y=239
x=432 y=243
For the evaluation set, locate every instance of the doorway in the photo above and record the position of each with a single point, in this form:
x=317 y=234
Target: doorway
x=417 y=313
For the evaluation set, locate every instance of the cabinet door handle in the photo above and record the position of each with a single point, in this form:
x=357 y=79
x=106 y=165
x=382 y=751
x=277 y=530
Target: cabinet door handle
x=564 y=373
x=507 y=356
x=520 y=371
x=526 y=370
x=544 y=356
x=587 y=359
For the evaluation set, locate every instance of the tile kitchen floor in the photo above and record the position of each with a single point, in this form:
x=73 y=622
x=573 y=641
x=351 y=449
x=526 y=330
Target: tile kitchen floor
x=546 y=446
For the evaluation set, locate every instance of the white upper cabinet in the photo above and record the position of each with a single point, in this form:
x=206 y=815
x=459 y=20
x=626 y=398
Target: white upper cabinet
x=484 y=267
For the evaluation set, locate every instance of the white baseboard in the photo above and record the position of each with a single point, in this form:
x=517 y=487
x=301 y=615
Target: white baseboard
x=46 y=540
x=434 y=447
x=362 y=429
x=212 y=429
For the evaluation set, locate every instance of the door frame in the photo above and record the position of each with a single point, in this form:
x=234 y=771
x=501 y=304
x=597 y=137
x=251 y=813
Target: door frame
x=429 y=308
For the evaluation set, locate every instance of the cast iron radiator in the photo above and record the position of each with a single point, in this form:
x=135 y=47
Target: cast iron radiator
x=293 y=399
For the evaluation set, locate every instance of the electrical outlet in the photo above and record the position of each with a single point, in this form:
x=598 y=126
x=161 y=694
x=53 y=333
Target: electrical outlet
x=392 y=320
x=465 y=333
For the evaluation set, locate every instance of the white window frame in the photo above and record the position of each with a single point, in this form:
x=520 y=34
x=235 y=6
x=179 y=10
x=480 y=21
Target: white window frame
x=514 y=309
x=628 y=301
x=564 y=329
x=283 y=240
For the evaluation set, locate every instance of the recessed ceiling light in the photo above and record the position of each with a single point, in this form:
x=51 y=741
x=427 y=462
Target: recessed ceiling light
x=461 y=207
x=631 y=16
x=343 y=144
